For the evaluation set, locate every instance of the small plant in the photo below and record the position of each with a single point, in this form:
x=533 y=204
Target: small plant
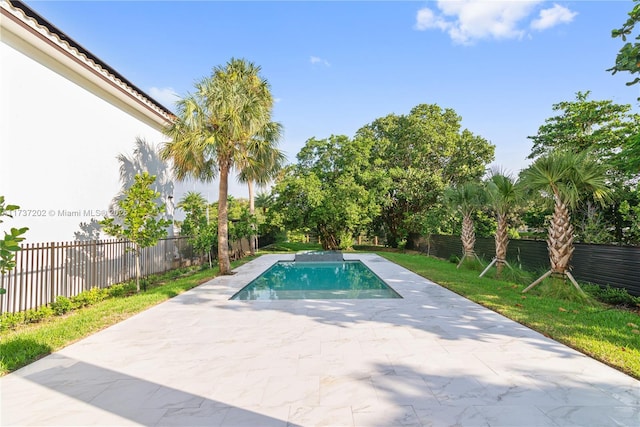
x=37 y=315
x=121 y=290
x=557 y=288
x=10 y=321
x=612 y=296
x=9 y=244
x=62 y=305
x=90 y=297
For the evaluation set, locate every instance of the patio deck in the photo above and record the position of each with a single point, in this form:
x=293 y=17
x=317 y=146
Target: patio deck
x=430 y=359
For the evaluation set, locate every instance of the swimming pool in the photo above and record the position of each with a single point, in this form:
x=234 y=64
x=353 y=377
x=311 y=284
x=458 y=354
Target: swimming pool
x=316 y=280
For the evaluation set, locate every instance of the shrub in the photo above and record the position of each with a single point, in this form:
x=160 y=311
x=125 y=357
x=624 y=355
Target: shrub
x=121 y=290
x=34 y=316
x=612 y=296
x=61 y=305
x=90 y=297
x=10 y=320
x=13 y=320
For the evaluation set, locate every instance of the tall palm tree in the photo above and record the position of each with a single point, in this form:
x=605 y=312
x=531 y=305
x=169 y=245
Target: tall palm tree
x=262 y=164
x=213 y=129
x=563 y=178
x=503 y=194
x=466 y=198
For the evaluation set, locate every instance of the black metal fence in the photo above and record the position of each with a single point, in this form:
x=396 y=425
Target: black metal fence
x=617 y=266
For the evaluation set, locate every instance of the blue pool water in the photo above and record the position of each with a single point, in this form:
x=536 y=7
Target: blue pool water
x=316 y=280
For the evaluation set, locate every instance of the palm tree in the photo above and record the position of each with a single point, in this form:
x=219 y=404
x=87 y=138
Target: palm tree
x=466 y=198
x=564 y=178
x=262 y=164
x=213 y=129
x=503 y=194
x=263 y=201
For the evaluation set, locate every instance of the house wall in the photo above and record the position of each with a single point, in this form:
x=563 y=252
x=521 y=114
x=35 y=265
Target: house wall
x=60 y=133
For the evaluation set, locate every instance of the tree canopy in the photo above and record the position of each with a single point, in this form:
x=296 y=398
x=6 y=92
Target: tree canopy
x=326 y=191
x=388 y=179
x=603 y=127
x=413 y=158
x=628 y=58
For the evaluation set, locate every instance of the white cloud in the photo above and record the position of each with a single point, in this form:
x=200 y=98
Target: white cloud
x=166 y=96
x=426 y=20
x=467 y=21
x=553 y=16
x=317 y=60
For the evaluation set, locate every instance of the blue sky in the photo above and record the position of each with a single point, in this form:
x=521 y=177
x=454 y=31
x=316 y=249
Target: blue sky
x=335 y=66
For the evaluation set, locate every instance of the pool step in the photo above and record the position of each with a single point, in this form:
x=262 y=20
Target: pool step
x=319 y=256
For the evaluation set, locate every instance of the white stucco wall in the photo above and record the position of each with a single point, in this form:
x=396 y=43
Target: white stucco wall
x=58 y=146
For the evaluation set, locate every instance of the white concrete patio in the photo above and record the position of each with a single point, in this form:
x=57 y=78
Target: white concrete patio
x=430 y=359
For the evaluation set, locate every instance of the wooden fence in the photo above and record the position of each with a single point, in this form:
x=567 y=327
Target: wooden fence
x=45 y=270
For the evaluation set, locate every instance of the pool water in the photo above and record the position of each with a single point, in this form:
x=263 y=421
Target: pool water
x=316 y=280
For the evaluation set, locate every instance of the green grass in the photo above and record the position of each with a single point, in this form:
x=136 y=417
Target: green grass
x=605 y=333
x=31 y=342
x=292 y=247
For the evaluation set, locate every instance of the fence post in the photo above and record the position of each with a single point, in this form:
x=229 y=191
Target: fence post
x=52 y=275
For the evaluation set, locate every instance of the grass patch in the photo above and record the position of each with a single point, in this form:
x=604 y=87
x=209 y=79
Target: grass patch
x=292 y=247
x=30 y=342
x=606 y=333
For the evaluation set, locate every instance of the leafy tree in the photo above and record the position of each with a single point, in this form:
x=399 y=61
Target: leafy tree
x=141 y=218
x=413 y=158
x=628 y=58
x=197 y=224
x=10 y=243
x=503 y=195
x=630 y=212
x=326 y=191
x=466 y=199
x=213 y=131
x=245 y=226
x=600 y=126
x=562 y=178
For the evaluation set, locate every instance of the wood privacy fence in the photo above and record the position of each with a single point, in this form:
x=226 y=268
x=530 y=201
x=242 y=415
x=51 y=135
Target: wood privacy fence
x=617 y=266
x=45 y=270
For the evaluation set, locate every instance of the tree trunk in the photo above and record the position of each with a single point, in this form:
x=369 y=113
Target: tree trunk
x=468 y=236
x=327 y=239
x=253 y=239
x=137 y=254
x=502 y=241
x=223 y=226
x=560 y=240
